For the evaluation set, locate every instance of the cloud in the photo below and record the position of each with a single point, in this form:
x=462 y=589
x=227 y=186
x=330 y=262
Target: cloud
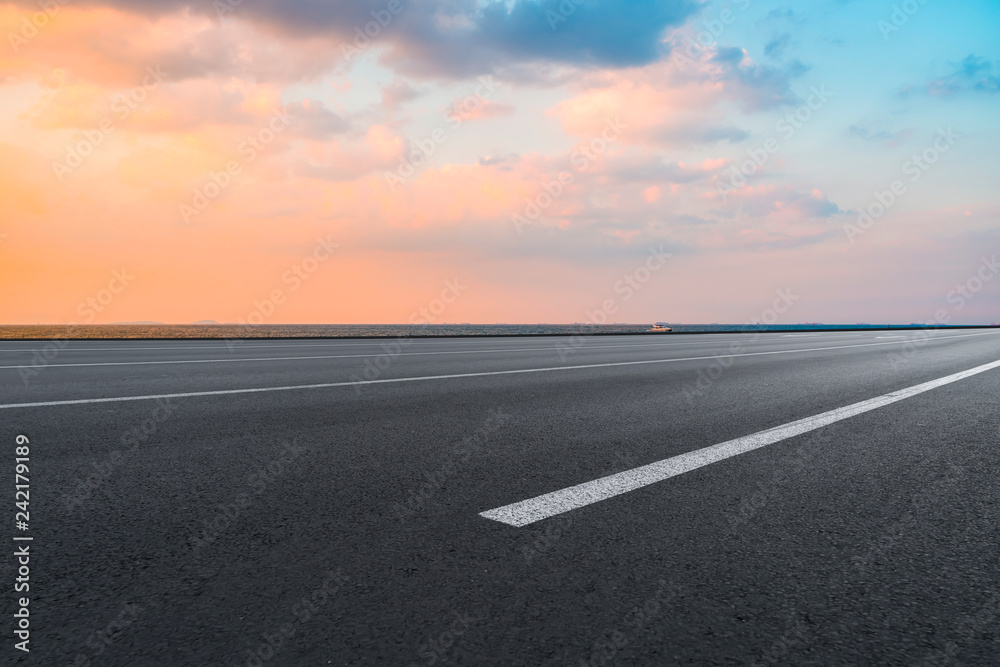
x=875 y=133
x=475 y=108
x=467 y=38
x=494 y=160
x=973 y=74
x=680 y=102
x=641 y=170
x=313 y=118
x=350 y=160
x=776 y=46
x=779 y=201
x=651 y=105
x=781 y=16
x=397 y=93
x=113 y=47
x=232 y=106
x=756 y=87
x=459 y=38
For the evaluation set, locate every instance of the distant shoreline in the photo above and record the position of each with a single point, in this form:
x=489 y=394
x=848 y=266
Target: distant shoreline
x=26 y=332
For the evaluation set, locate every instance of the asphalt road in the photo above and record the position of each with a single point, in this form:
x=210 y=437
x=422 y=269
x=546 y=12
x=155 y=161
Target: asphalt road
x=324 y=521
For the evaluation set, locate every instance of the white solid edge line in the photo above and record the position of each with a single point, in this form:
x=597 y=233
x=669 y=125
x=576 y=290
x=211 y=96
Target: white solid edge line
x=550 y=504
x=353 y=356
x=325 y=385
x=556 y=339
x=587 y=348
x=352 y=342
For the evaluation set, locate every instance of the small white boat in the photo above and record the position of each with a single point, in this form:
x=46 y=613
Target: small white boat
x=659 y=328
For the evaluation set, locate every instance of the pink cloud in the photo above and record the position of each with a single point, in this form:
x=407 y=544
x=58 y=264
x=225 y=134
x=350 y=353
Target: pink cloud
x=763 y=200
x=655 y=103
x=475 y=108
x=113 y=48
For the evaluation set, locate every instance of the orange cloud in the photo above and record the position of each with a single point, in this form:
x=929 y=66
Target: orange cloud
x=475 y=108
x=113 y=48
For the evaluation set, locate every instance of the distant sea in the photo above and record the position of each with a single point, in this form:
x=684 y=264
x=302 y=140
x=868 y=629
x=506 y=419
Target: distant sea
x=41 y=331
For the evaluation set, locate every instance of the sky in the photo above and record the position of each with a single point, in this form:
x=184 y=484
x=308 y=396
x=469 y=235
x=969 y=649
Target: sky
x=516 y=161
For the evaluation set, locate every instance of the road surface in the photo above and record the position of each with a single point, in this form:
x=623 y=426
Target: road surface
x=811 y=498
